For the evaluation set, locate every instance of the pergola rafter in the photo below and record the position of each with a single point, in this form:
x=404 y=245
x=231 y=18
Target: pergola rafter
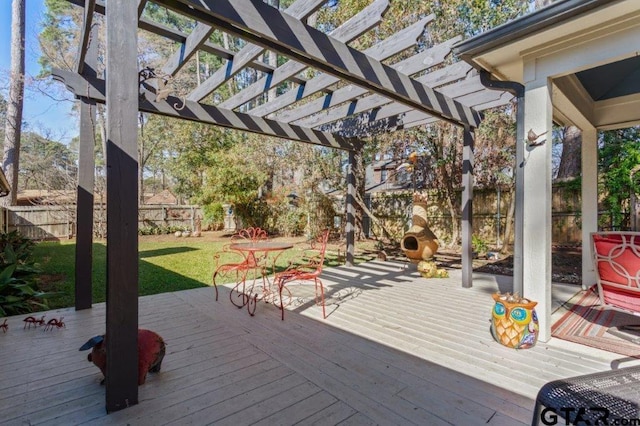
x=350 y=30
x=357 y=95
x=301 y=9
x=337 y=103
x=264 y=25
x=181 y=38
x=172 y=106
x=385 y=49
x=384 y=109
x=87 y=20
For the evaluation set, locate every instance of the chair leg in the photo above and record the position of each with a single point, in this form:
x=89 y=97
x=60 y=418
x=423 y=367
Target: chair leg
x=319 y=284
x=215 y=287
x=239 y=289
x=255 y=304
x=280 y=287
x=536 y=414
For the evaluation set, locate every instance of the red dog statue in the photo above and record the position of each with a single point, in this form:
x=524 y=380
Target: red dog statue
x=151 y=350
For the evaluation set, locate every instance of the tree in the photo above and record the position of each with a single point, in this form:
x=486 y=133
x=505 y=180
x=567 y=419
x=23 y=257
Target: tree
x=46 y=164
x=3 y=116
x=618 y=162
x=231 y=176
x=453 y=17
x=570 y=160
x=201 y=161
x=13 y=126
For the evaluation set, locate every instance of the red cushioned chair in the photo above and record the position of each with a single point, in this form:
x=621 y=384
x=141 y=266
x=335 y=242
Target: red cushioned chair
x=617 y=263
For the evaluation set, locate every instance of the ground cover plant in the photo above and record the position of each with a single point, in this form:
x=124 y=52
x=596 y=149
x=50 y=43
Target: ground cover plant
x=19 y=292
x=167 y=263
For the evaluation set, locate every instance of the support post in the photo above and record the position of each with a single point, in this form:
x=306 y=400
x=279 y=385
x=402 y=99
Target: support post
x=467 y=208
x=122 y=206
x=86 y=170
x=517 y=90
x=536 y=206
x=518 y=228
x=589 y=202
x=351 y=209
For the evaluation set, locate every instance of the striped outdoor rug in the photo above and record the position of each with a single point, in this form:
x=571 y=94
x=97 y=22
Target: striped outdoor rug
x=587 y=323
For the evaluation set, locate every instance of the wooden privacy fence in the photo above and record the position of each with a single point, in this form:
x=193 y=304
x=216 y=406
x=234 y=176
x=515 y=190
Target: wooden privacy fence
x=55 y=222
x=490 y=211
x=392 y=208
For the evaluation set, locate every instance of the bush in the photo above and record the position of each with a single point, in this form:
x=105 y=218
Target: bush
x=18 y=277
x=291 y=222
x=213 y=215
x=161 y=230
x=479 y=245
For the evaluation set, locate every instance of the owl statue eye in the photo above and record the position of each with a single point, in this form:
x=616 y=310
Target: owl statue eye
x=498 y=309
x=520 y=315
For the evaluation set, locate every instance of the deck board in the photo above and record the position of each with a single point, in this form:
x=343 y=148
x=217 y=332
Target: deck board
x=395 y=349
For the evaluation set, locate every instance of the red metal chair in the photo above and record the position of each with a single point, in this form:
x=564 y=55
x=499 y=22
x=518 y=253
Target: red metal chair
x=308 y=271
x=241 y=263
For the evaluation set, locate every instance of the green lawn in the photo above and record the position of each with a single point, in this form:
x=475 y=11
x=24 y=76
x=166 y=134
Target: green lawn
x=164 y=266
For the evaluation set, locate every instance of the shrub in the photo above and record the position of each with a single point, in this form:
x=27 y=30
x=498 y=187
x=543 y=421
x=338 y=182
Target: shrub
x=161 y=230
x=18 y=277
x=213 y=215
x=479 y=245
x=291 y=222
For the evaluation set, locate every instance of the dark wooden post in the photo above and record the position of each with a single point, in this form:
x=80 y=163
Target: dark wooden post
x=122 y=205
x=467 y=208
x=86 y=167
x=350 y=228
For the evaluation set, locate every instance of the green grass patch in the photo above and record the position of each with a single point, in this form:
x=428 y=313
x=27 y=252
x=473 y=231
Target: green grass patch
x=163 y=266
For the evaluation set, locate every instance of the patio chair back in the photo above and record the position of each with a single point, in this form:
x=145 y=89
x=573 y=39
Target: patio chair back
x=241 y=262
x=250 y=234
x=309 y=271
x=617 y=263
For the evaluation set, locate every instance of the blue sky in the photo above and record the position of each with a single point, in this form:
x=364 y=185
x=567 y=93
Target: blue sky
x=41 y=113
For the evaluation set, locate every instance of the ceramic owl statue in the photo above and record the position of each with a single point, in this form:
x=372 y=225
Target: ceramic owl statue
x=514 y=322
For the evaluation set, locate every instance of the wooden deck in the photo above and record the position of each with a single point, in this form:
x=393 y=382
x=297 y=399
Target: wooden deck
x=395 y=349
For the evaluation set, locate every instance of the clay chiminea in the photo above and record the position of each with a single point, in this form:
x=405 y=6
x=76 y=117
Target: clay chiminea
x=419 y=243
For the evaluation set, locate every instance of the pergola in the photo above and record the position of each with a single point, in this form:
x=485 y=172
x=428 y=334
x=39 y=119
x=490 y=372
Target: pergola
x=355 y=94
x=576 y=63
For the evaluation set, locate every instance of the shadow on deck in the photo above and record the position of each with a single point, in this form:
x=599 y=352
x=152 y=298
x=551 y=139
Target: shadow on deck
x=395 y=349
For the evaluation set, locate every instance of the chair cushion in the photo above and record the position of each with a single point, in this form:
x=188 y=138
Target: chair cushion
x=621 y=298
x=618 y=259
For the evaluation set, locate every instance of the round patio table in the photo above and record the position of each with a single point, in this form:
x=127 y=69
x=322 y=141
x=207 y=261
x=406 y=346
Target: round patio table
x=257 y=254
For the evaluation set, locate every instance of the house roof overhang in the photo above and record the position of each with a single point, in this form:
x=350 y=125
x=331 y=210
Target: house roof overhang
x=587 y=49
